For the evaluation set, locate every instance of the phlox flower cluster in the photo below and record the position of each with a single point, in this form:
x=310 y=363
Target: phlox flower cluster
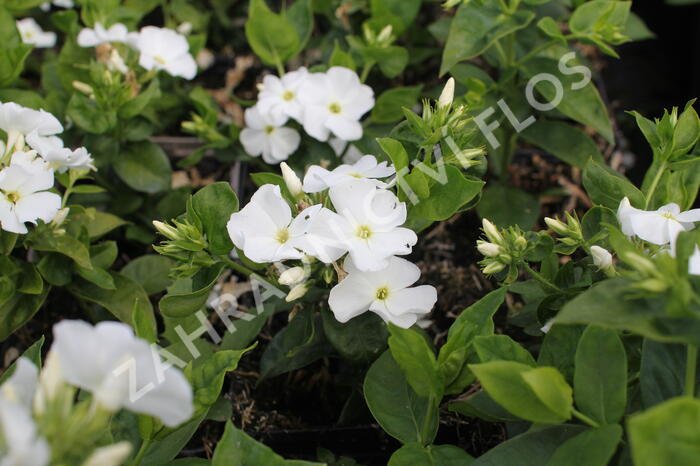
x=326 y=105
x=346 y=216
x=108 y=361
x=30 y=155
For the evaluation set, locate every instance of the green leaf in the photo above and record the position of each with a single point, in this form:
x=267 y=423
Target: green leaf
x=447 y=196
x=506 y=206
x=564 y=141
x=273 y=37
x=12 y=62
x=143 y=166
x=188 y=295
x=399 y=13
x=415 y=357
x=581 y=104
x=362 y=338
x=300 y=14
x=667 y=434
x=593 y=447
x=533 y=448
x=476 y=27
x=207 y=378
x=151 y=271
x=341 y=58
x=388 y=108
x=397 y=408
x=18 y=310
x=482 y=406
x=214 y=205
x=136 y=105
x=392 y=60
x=122 y=302
x=33 y=353
x=89 y=116
x=559 y=349
x=662 y=372
x=538 y=395
x=600 y=379
x=97 y=223
x=50 y=241
x=607 y=187
x=433 y=455
x=501 y=348
x=300 y=343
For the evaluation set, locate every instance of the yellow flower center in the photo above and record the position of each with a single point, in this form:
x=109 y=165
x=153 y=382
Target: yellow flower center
x=282 y=235
x=288 y=95
x=382 y=293
x=356 y=175
x=335 y=108
x=363 y=232
x=668 y=215
x=269 y=129
x=159 y=59
x=12 y=197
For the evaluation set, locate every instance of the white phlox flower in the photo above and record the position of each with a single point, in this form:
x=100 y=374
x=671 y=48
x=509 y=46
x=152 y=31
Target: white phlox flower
x=121 y=370
x=19 y=122
x=46 y=6
x=349 y=152
x=660 y=226
x=385 y=292
x=367 y=224
x=21 y=444
x=20 y=387
x=65 y=159
x=334 y=102
x=280 y=96
x=111 y=455
x=165 y=49
x=265 y=135
x=318 y=179
x=99 y=35
x=31 y=33
x=23 y=194
x=265 y=231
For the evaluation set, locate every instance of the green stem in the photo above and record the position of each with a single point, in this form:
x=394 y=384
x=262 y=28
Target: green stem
x=691 y=365
x=142 y=451
x=654 y=185
x=501 y=54
x=583 y=418
x=537 y=276
x=366 y=69
x=240 y=268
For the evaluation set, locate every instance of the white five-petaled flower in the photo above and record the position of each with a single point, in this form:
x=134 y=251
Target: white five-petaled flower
x=32 y=33
x=19 y=122
x=319 y=179
x=385 y=292
x=265 y=231
x=367 y=224
x=334 y=102
x=99 y=35
x=264 y=135
x=65 y=159
x=660 y=226
x=281 y=95
x=165 y=49
x=24 y=196
x=121 y=370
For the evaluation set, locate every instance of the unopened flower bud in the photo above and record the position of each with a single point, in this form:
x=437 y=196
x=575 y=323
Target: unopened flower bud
x=83 y=87
x=494 y=267
x=653 y=285
x=601 y=257
x=448 y=94
x=111 y=455
x=292 y=276
x=184 y=28
x=166 y=230
x=491 y=231
x=297 y=292
x=60 y=217
x=291 y=180
x=385 y=33
x=557 y=225
x=639 y=262
x=521 y=242
x=488 y=249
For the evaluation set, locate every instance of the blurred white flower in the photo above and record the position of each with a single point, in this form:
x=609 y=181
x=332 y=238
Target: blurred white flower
x=660 y=226
x=20 y=387
x=24 y=196
x=32 y=33
x=601 y=257
x=99 y=35
x=121 y=370
x=264 y=135
x=385 y=292
x=165 y=49
x=334 y=102
x=46 y=6
x=281 y=95
x=350 y=152
x=694 y=262
x=19 y=122
x=367 y=224
x=319 y=179
x=265 y=231
x=64 y=159
x=21 y=443
x=111 y=455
